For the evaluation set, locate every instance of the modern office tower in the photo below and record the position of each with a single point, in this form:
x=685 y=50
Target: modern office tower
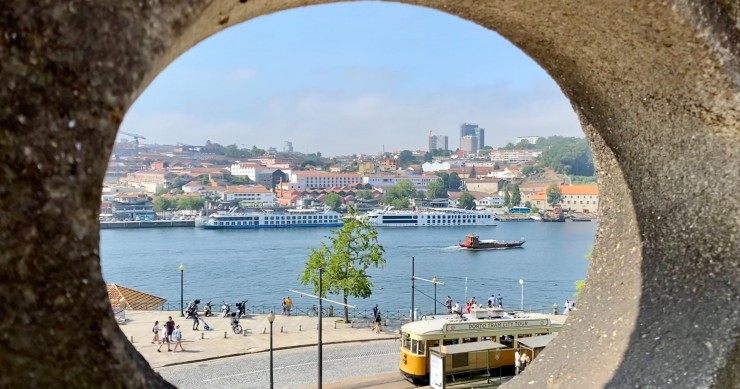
x=469 y=144
x=470 y=129
x=438 y=142
x=288 y=147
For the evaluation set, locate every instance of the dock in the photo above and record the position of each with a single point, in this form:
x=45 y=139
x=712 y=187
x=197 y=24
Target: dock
x=147 y=224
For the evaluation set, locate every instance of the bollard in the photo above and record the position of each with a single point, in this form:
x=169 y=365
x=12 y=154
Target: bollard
x=224 y=334
x=264 y=330
x=555 y=309
x=281 y=329
x=244 y=333
x=202 y=334
x=351 y=324
x=299 y=327
x=335 y=325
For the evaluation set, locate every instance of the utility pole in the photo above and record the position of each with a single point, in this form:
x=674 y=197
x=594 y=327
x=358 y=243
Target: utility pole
x=412 y=288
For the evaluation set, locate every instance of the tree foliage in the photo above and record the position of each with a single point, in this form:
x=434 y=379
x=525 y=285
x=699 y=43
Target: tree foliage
x=353 y=249
x=162 y=204
x=364 y=195
x=516 y=196
x=473 y=173
x=554 y=195
x=399 y=196
x=507 y=199
x=436 y=189
x=333 y=201
x=406 y=158
x=190 y=203
x=466 y=201
x=454 y=182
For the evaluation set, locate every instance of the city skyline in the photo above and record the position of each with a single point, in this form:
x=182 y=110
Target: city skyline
x=349 y=78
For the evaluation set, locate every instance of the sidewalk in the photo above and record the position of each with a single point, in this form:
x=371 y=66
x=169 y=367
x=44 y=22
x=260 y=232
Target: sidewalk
x=297 y=331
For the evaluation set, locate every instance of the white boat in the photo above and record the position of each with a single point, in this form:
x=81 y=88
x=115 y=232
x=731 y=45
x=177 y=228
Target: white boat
x=432 y=217
x=290 y=218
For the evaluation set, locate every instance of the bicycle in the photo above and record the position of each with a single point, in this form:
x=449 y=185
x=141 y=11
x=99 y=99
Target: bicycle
x=314 y=311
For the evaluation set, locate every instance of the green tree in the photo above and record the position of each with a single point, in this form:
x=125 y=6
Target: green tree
x=454 y=182
x=507 y=199
x=428 y=157
x=162 y=204
x=472 y=173
x=528 y=204
x=354 y=248
x=581 y=283
x=436 y=189
x=190 y=203
x=496 y=166
x=406 y=158
x=364 y=195
x=466 y=201
x=399 y=195
x=333 y=201
x=516 y=196
x=445 y=178
x=554 y=195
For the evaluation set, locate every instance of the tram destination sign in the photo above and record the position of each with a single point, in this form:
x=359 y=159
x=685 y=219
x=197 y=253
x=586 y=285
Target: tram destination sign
x=497 y=324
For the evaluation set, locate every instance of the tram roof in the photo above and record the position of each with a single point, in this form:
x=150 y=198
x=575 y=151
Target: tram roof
x=437 y=325
x=468 y=347
x=537 y=341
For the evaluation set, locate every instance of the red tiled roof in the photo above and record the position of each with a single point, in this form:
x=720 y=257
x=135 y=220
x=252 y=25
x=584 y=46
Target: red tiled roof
x=122 y=297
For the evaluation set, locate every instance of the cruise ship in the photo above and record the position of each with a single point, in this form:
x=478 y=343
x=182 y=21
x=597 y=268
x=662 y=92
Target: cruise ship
x=271 y=219
x=433 y=217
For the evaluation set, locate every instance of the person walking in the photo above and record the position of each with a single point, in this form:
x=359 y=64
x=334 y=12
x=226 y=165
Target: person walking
x=177 y=336
x=170 y=326
x=288 y=305
x=524 y=361
x=376 y=319
x=196 y=322
x=448 y=304
x=155 y=330
x=285 y=306
x=165 y=339
x=458 y=309
x=491 y=301
x=500 y=301
x=517 y=362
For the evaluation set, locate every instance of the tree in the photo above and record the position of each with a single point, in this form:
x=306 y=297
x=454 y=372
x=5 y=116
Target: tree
x=161 y=204
x=406 y=158
x=428 y=157
x=354 y=248
x=554 y=195
x=436 y=189
x=466 y=201
x=454 y=182
x=581 y=283
x=496 y=166
x=472 y=173
x=364 y=195
x=516 y=196
x=507 y=199
x=445 y=178
x=190 y=203
x=399 y=195
x=333 y=201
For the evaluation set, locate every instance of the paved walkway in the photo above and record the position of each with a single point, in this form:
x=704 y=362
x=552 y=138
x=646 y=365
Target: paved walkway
x=297 y=331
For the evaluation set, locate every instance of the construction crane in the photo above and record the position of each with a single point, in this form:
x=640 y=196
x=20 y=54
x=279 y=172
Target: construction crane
x=135 y=136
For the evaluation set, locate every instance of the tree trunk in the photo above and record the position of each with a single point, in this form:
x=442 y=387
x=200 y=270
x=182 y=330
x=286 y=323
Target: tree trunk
x=346 y=309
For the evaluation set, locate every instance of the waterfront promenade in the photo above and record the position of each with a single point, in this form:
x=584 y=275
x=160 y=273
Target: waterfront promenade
x=297 y=331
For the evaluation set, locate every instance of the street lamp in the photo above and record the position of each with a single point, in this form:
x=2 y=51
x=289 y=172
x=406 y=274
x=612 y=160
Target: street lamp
x=182 y=277
x=434 y=280
x=271 y=318
x=521 y=282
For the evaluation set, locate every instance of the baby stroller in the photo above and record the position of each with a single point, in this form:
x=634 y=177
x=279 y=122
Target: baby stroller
x=205 y=325
x=192 y=308
x=235 y=323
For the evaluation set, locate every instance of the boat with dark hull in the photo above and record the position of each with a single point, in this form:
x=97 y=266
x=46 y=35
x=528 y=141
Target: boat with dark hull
x=473 y=242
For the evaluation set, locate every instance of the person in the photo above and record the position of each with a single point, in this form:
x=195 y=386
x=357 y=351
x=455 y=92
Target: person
x=288 y=305
x=566 y=307
x=285 y=303
x=467 y=307
x=491 y=301
x=170 y=326
x=376 y=319
x=500 y=301
x=155 y=330
x=517 y=362
x=572 y=305
x=448 y=304
x=458 y=309
x=472 y=302
x=165 y=339
x=196 y=322
x=177 y=336
x=524 y=360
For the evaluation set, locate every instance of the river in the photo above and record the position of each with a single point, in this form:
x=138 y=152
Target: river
x=262 y=265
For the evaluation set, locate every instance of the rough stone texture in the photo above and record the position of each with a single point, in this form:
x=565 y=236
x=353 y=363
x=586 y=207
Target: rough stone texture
x=656 y=85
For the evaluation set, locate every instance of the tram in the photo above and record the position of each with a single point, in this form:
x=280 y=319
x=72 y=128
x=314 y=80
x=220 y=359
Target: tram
x=482 y=325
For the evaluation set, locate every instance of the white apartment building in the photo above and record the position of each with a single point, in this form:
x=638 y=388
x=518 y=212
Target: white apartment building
x=256 y=195
x=247 y=169
x=383 y=181
x=515 y=157
x=315 y=180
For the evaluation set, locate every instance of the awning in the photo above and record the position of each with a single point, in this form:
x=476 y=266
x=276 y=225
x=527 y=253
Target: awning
x=535 y=342
x=122 y=297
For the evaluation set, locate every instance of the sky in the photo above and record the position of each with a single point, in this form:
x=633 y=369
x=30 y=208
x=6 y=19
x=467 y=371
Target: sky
x=350 y=78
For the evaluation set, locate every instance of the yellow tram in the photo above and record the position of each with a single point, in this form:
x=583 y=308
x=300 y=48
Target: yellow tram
x=482 y=325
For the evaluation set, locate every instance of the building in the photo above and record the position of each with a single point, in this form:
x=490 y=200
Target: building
x=133 y=206
x=388 y=181
x=527 y=139
x=470 y=129
x=255 y=195
x=437 y=142
x=515 y=157
x=485 y=185
x=577 y=198
x=288 y=147
x=469 y=144
x=316 y=179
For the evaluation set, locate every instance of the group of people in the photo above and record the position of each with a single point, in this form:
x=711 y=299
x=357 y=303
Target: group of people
x=287 y=306
x=472 y=304
x=521 y=360
x=568 y=306
x=170 y=333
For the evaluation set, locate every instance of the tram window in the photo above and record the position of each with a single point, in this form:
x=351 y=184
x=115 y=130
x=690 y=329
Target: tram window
x=417 y=347
x=470 y=340
x=406 y=341
x=448 y=342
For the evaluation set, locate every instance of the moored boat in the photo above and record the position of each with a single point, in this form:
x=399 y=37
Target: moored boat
x=473 y=242
x=290 y=218
x=432 y=217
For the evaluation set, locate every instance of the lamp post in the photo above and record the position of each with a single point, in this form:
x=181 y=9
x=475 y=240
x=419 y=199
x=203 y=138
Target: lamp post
x=182 y=300
x=434 y=280
x=521 y=282
x=271 y=318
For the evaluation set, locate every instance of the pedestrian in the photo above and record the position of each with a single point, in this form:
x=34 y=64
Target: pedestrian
x=448 y=304
x=491 y=301
x=177 y=335
x=472 y=303
x=285 y=303
x=467 y=307
x=165 y=339
x=170 y=326
x=524 y=361
x=196 y=322
x=500 y=301
x=376 y=319
x=458 y=309
x=288 y=305
x=155 y=330
x=517 y=362
x=566 y=307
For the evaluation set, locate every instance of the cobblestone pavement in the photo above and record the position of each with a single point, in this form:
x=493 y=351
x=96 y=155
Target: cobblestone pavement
x=293 y=368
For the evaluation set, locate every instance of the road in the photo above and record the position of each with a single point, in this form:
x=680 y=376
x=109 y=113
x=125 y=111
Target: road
x=293 y=368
